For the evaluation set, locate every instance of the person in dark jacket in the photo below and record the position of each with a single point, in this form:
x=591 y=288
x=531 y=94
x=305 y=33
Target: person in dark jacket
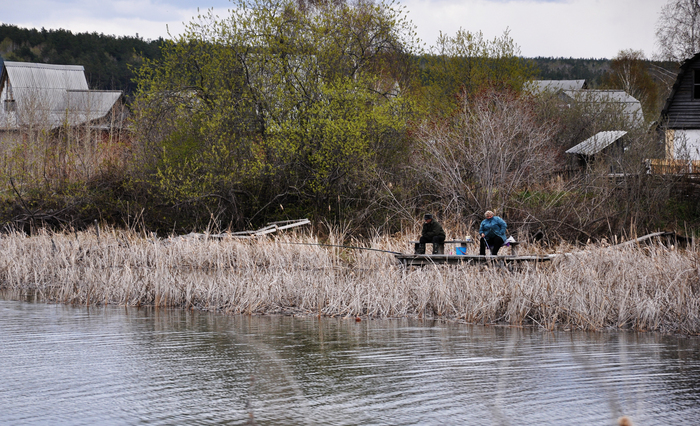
x=432 y=233
x=493 y=233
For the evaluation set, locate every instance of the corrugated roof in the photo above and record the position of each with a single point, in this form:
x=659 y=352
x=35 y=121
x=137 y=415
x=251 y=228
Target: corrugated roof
x=540 y=86
x=597 y=142
x=630 y=105
x=588 y=95
x=90 y=104
x=53 y=95
x=45 y=76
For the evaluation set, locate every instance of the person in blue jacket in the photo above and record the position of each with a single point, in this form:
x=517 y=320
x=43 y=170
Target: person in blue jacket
x=493 y=233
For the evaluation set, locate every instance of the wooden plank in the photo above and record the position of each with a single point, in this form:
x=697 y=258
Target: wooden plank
x=646 y=237
x=291 y=224
x=671 y=238
x=449 y=259
x=269 y=229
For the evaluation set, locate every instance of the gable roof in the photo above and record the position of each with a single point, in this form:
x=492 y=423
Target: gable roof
x=53 y=95
x=686 y=116
x=597 y=142
x=629 y=105
x=25 y=75
x=537 y=87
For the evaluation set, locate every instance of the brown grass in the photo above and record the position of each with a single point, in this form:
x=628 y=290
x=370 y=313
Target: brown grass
x=651 y=288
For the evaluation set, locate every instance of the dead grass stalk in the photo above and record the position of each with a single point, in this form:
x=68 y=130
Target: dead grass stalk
x=647 y=289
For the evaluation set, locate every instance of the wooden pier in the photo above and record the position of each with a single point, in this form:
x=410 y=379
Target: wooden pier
x=452 y=259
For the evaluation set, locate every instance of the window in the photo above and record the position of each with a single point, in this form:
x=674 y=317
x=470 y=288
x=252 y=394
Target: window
x=10 y=105
x=696 y=84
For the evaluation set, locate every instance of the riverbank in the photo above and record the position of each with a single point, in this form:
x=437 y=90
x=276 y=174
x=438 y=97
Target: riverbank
x=642 y=288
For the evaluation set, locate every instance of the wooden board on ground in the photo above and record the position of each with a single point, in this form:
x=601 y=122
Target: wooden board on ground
x=271 y=227
x=450 y=259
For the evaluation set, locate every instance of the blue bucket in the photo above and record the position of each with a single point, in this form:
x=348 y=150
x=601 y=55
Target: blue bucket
x=460 y=251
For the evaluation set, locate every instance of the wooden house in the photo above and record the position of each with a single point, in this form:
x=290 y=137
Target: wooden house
x=571 y=92
x=680 y=121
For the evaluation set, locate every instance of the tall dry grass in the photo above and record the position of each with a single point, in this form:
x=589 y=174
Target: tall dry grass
x=652 y=288
x=42 y=155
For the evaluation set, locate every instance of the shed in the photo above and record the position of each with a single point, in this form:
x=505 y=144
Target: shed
x=51 y=96
x=608 y=143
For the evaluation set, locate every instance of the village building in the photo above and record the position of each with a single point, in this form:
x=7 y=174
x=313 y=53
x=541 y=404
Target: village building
x=52 y=96
x=608 y=145
x=617 y=101
x=680 y=121
x=577 y=92
x=539 y=87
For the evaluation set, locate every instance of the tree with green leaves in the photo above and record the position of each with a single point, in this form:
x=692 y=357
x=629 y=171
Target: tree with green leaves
x=467 y=63
x=276 y=104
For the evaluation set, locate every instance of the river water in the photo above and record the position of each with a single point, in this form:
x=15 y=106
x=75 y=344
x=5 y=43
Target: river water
x=66 y=365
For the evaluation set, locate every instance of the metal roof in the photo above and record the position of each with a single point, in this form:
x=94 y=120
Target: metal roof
x=597 y=142
x=52 y=95
x=89 y=105
x=630 y=105
x=26 y=75
x=537 y=87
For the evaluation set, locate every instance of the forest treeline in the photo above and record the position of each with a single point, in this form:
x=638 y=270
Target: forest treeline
x=109 y=60
x=333 y=111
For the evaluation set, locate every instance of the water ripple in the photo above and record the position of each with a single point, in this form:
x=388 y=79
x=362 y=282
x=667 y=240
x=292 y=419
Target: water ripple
x=73 y=365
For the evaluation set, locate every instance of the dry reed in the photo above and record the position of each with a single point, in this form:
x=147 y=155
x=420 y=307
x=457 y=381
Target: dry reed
x=651 y=288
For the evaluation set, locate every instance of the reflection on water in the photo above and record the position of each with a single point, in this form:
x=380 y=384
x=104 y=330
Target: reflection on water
x=107 y=365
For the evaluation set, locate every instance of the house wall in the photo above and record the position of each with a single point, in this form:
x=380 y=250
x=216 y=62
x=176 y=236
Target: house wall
x=683 y=144
x=683 y=112
x=7 y=113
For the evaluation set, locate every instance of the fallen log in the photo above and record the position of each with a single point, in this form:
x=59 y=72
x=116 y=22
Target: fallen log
x=668 y=235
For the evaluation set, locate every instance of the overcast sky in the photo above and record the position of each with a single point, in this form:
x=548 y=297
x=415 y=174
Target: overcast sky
x=551 y=28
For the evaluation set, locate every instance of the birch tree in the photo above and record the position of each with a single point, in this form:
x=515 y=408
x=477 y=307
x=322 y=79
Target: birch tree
x=678 y=30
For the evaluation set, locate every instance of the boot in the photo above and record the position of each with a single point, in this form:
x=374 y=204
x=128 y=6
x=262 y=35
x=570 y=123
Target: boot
x=420 y=248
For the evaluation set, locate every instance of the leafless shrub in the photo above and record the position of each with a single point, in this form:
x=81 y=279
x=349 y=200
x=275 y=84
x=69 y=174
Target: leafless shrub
x=677 y=30
x=481 y=156
x=42 y=161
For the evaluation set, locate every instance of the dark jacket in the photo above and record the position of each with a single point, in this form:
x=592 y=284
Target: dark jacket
x=432 y=229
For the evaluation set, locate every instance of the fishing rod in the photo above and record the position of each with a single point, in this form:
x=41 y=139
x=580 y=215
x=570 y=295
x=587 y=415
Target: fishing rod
x=333 y=245
x=486 y=242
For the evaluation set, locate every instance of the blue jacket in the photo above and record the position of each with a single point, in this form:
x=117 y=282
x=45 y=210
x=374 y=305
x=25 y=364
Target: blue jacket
x=494 y=227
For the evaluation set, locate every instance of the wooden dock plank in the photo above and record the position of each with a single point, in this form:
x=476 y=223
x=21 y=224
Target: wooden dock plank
x=451 y=259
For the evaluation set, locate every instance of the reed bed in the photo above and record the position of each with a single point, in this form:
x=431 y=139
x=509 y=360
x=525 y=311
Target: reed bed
x=649 y=288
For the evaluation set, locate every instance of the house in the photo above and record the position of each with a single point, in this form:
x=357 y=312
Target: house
x=538 y=87
x=50 y=96
x=577 y=92
x=680 y=116
x=612 y=100
x=608 y=144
